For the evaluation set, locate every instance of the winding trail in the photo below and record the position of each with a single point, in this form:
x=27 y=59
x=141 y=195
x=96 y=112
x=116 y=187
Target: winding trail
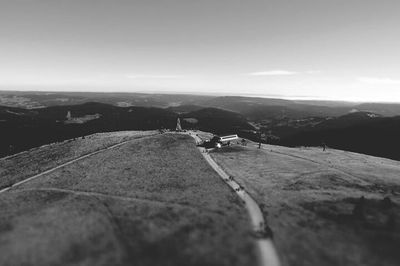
x=71 y=162
x=266 y=248
x=116 y=197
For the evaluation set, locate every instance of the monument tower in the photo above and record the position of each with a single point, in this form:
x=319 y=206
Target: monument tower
x=178 y=125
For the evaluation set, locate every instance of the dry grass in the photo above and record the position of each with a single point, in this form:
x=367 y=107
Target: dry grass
x=34 y=161
x=153 y=201
x=309 y=196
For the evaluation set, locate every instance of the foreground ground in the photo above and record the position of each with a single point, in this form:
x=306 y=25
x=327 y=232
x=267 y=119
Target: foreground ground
x=153 y=201
x=324 y=208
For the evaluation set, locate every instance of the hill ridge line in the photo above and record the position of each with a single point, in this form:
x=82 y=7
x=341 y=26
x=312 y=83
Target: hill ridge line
x=36 y=148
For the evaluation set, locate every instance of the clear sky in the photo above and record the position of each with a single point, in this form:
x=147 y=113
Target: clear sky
x=323 y=49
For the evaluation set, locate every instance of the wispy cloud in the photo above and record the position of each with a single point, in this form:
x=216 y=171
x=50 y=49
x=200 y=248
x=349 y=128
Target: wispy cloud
x=281 y=72
x=378 y=80
x=140 y=76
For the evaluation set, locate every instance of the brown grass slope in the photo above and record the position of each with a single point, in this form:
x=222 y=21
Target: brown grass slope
x=154 y=201
x=25 y=164
x=313 y=202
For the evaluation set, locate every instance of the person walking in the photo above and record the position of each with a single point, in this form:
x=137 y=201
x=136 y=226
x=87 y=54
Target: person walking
x=323 y=146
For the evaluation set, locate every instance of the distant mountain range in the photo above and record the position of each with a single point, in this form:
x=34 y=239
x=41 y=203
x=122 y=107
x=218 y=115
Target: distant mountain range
x=21 y=129
x=30 y=119
x=251 y=107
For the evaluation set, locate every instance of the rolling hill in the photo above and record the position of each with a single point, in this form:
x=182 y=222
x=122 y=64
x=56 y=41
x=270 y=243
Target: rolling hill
x=369 y=128
x=216 y=120
x=153 y=200
x=251 y=107
x=323 y=208
x=256 y=109
x=22 y=129
x=359 y=132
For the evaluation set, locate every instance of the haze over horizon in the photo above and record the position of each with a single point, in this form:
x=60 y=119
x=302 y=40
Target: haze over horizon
x=309 y=49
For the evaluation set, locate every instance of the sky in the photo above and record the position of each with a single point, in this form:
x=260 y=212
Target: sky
x=300 y=49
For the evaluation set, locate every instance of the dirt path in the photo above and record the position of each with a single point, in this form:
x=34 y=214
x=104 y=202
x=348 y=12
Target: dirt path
x=268 y=254
x=115 y=197
x=70 y=162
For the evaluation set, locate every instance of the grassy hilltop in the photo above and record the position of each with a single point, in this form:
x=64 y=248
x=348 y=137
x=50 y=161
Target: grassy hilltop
x=156 y=201
x=153 y=201
x=324 y=208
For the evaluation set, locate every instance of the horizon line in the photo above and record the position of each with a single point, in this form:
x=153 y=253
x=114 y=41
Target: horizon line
x=248 y=95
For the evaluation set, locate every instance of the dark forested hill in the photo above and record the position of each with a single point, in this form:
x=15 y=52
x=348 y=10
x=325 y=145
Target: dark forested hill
x=29 y=119
x=257 y=109
x=216 y=120
x=377 y=136
x=21 y=129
